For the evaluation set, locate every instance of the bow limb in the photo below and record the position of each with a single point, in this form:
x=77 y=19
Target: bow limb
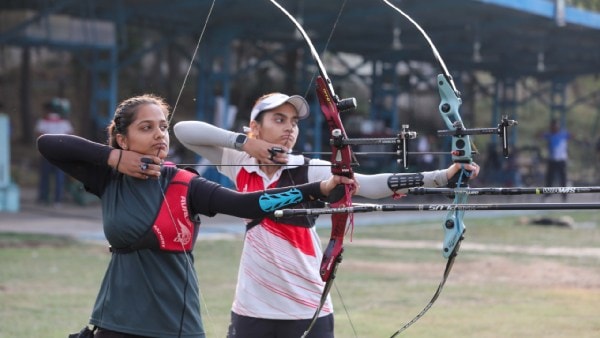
x=434 y=49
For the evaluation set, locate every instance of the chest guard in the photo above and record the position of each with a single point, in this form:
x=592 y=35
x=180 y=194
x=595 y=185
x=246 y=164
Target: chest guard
x=173 y=229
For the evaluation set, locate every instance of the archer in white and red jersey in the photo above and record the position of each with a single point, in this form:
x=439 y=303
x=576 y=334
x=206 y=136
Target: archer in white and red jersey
x=279 y=286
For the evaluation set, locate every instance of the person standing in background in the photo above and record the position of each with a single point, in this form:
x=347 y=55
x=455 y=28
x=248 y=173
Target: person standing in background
x=557 y=140
x=53 y=121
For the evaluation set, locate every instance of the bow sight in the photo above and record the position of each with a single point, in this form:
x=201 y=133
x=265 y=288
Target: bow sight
x=400 y=141
x=501 y=130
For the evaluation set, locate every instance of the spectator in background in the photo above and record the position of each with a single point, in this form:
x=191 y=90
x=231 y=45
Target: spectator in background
x=557 y=140
x=426 y=161
x=53 y=121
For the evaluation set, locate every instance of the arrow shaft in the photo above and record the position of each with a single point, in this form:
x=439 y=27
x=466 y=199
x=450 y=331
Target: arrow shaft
x=505 y=191
x=362 y=208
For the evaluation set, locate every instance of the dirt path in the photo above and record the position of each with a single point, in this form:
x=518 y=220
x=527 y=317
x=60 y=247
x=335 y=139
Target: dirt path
x=534 y=271
x=479 y=247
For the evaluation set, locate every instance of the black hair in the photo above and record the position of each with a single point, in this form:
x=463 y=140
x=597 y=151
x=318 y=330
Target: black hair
x=126 y=113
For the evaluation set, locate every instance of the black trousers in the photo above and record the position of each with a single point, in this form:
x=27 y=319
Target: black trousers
x=249 y=327
x=103 y=333
x=558 y=170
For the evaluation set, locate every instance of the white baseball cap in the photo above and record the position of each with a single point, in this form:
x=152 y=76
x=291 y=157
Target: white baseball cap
x=275 y=100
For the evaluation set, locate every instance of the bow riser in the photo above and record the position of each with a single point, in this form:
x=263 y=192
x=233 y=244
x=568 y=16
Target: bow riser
x=341 y=154
x=454 y=228
x=450 y=102
x=341 y=159
x=333 y=253
x=449 y=110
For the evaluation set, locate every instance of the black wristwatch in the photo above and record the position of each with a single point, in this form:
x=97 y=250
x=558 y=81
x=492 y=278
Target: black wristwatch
x=240 y=140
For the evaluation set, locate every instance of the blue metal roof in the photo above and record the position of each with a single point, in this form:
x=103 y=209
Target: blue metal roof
x=508 y=36
x=509 y=39
x=548 y=9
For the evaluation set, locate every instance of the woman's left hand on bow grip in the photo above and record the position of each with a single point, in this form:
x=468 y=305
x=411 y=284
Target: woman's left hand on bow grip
x=335 y=180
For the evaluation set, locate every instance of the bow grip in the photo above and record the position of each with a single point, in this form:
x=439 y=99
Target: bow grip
x=336 y=194
x=460 y=179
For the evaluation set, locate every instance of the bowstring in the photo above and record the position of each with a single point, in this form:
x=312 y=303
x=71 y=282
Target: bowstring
x=460 y=198
x=339 y=293
x=329 y=37
x=162 y=190
x=347 y=188
x=186 y=254
x=210 y=10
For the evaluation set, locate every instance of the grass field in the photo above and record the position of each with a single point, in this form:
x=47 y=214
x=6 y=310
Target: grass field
x=509 y=280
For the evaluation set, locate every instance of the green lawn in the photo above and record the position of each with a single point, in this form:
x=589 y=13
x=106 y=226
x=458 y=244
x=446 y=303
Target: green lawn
x=48 y=285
